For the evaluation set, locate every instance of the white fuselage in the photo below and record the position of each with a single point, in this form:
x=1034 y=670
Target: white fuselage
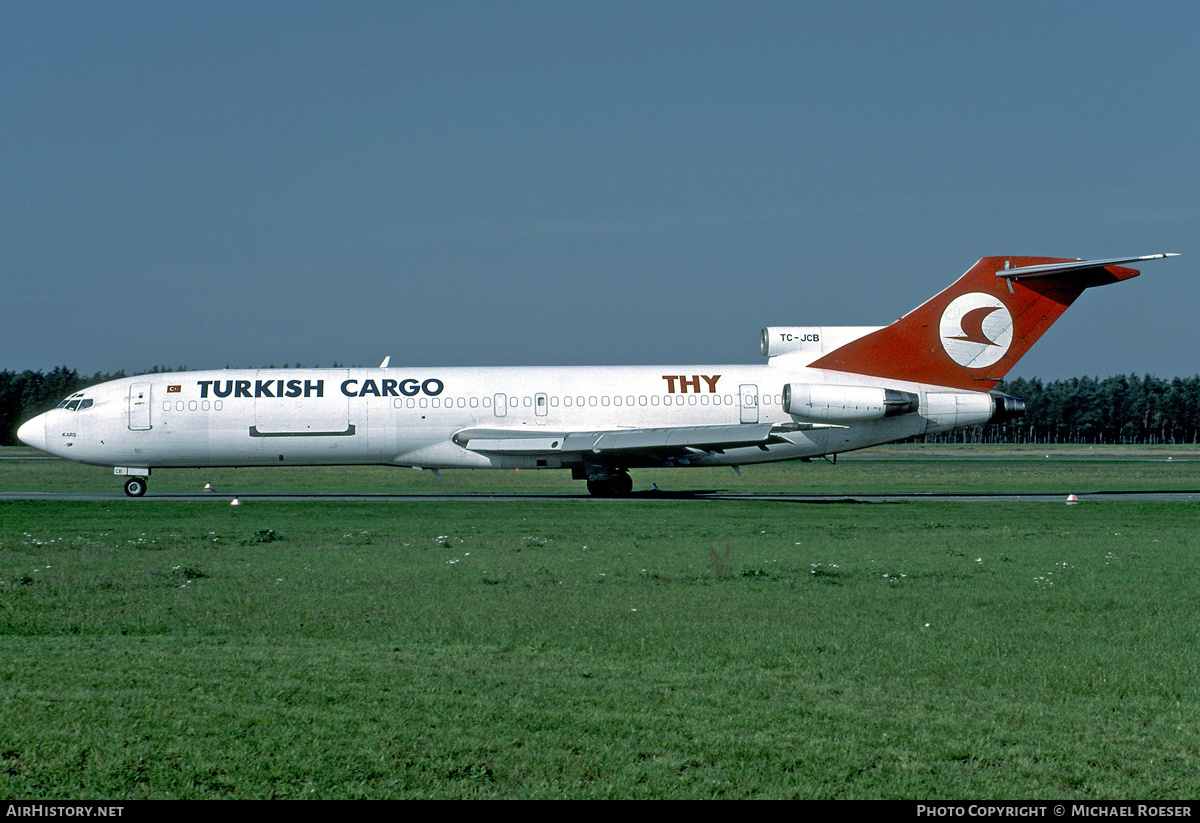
x=410 y=417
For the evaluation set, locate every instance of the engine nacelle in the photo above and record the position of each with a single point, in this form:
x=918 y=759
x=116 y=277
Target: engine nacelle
x=954 y=410
x=820 y=403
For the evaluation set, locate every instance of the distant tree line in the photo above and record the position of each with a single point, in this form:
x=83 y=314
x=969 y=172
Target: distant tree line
x=1121 y=409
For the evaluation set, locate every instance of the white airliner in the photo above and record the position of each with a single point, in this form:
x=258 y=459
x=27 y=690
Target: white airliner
x=823 y=390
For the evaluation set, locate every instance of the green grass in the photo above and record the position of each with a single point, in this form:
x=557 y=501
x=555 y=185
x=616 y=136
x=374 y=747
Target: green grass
x=576 y=648
x=887 y=469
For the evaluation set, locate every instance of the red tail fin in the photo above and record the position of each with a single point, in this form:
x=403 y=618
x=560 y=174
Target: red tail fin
x=971 y=334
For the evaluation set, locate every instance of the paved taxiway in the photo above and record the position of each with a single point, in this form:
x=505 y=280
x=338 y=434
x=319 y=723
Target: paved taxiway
x=226 y=496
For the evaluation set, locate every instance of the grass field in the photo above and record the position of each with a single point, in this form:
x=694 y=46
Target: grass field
x=887 y=469
x=583 y=648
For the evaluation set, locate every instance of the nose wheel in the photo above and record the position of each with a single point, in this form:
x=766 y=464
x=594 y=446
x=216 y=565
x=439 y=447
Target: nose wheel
x=135 y=486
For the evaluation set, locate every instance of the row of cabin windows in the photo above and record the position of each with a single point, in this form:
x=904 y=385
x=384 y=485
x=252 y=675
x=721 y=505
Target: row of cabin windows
x=512 y=402
x=193 y=405
x=580 y=401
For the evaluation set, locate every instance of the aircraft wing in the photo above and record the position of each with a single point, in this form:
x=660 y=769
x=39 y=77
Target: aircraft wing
x=662 y=442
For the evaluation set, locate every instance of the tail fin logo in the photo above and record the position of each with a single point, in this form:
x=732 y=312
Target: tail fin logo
x=976 y=330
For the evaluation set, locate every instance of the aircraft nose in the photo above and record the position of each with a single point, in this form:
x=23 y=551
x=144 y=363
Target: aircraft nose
x=33 y=432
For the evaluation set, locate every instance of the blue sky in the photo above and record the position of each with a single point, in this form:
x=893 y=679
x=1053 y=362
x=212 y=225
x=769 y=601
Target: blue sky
x=524 y=183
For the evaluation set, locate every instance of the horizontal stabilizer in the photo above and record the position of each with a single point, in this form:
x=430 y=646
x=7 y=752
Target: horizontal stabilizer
x=1074 y=265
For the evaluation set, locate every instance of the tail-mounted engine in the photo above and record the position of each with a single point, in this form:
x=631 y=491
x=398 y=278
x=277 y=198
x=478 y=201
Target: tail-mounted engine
x=819 y=403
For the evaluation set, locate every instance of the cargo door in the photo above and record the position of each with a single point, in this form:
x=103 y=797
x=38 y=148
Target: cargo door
x=301 y=404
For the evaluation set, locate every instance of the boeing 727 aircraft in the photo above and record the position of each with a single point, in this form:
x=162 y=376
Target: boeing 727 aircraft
x=823 y=390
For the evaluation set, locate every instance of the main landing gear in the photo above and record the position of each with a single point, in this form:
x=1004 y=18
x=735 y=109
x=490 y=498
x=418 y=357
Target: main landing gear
x=135 y=486
x=614 y=484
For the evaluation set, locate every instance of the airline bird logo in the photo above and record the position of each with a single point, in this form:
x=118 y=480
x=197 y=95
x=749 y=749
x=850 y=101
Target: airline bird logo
x=976 y=330
x=972 y=326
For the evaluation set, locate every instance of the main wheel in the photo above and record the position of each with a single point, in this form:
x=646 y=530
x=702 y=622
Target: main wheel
x=615 y=485
x=598 y=488
x=621 y=484
x=135 y=486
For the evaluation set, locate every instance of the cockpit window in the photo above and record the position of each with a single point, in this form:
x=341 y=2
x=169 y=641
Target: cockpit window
x=75 y=402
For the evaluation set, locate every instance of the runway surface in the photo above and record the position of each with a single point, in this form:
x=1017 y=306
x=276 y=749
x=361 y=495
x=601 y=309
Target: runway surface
x=712 y=496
